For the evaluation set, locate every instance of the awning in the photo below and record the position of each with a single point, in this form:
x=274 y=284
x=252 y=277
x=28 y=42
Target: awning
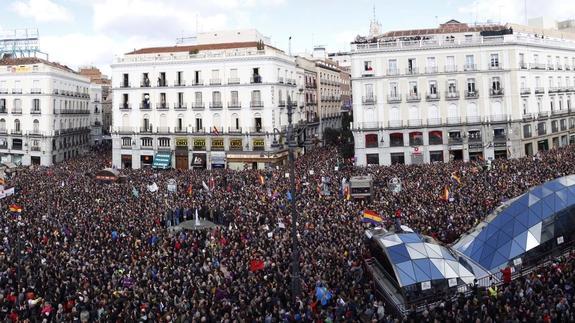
x=162 y=160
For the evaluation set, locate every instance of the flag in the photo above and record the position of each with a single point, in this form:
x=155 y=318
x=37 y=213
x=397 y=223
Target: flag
x=2 y=181
x=190 y=189
x=371 y=217
x=215 y=131
x=256 y=265
x=262 y=180
x=323 y=295
x=346 y=194
x=135 y=192
x=205 y=186
x=153 y=187
x=455 y=178
x=289 y=197
x=445 y=194
x=15 y=208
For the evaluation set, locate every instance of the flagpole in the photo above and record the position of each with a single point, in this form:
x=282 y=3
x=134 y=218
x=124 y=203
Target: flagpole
x=295 y=279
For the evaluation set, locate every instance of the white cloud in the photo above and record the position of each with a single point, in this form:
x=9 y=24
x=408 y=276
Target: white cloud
x=513 y=11
x=41 y=10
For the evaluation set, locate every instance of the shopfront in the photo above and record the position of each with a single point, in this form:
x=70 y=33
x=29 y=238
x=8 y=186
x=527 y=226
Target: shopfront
x=146 y=161
x=182 y=153
x=255 y=160
x=126 y=161
x=199 y=160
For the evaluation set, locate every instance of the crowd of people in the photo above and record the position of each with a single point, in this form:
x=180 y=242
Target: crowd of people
x=86 y=251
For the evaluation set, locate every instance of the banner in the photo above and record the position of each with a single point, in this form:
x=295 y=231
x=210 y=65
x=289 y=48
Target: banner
x=152 y=188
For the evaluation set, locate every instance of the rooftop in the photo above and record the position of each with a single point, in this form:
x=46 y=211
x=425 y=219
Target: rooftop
x=11 y=61
x=195 y=48
x=450 y=27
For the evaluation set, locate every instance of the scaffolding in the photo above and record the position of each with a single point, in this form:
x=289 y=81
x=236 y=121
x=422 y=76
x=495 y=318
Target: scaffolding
x=21 y=43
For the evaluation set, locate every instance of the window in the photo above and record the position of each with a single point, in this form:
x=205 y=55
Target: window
x=256 y=96
x=413 y=89
x=180 y=78
x=433 y=88
x=198 y=98
x=431 y=65
x=471 y=85
x=527 y=131
x=36 y=126
x=372 y=159
x=393 y=90
x=495 y=84
x=451 y=86
x=523 y=82
x=539 y=104
x=411 y=65
x=371 y=141
x=2 y=125
x=234 y=98
x=392 y=66
x=233 y=73
x=450 y=64
x=180 y=99
x=199 y=125
x=17 y=106
x=125 y=80
x=524 y=105
x=367 y=66
x=494 y=61
x=369 y=91
x=396 y=139
x=521 y=60
x=435 y=137
x=164 y=142
x=397 y=158
x=216 y=97
x=415 y=138
x=126 y=142
x=469 y=62
x=147 y=142
x=537 y=81
x=2 y=105
x=258 y=123
x=536 y=58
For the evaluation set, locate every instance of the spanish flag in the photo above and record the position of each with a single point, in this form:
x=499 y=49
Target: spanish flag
x=371 y=217
x=15 y=208
x=445 y=194
x=455 y=178
x=262 y=180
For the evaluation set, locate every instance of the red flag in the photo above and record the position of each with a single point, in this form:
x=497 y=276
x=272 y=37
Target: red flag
x=212 y=183
x=190 y=189
x=256 y=265
x=262 y=180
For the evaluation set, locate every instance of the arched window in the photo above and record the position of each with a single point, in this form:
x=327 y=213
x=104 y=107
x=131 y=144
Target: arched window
x=17 y=125
x=36 y=126
x=396 y=139
x=433 y=112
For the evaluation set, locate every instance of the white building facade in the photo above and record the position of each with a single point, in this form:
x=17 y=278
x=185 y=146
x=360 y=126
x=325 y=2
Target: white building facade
x=44 y=112
x=461 y=93
x=221 y=102
x=96 y=112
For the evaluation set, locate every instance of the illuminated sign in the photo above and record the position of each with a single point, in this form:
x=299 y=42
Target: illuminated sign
x=236 y=144
x=218 y=143
x=200 y=144
x=181 y=142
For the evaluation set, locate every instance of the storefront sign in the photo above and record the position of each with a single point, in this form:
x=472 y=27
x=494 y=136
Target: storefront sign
x=500 y=145
x=217 y=143
x=200 y=144
x=259 y=144
x=218 y=160
x=182 y=142
x=199 y=161
x=236 y=144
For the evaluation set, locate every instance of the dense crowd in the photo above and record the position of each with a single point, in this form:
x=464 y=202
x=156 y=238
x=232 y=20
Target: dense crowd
x=104 y=252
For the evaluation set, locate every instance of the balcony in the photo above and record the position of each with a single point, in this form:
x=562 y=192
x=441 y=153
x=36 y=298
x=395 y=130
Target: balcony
x=527 y=116
x=123 y=130
x=17 y=132
x=235 y=130
x=162 y=106
x=471 y=94
x=5 y=91
x=550 y=67
x=370 y=125
x=16 y=111
x=146 y=129
x=559 y=112
x=473 y=119
x=450 y=68
x=567 y=67
x=525 y=91
x=3 y=110
x=430 y=69
x=368 y=72
x=162 y=83
x=36 y=91
x=16 y=91
x=523 y=65
x=392 y=72
x=394 y=98
x=234 y=105
x=452 y=95
x=539 y=90
x=198 y=82
x=496 y=92
x=470 y=67
x=369 y=100
x=72 y=111
x=559 y=67
x=256 y=130
x=216 y=105
x=537 y=66
x=414 y=123
x=198 y=106
x=257 y=104
x=125 y=106
x=145 y=83
x=413 y=97
x=233 y=80
x=179 y=83
x=500 y=138
x=543 y=115
x=282 y=103
x=553 y=89
x=215 y=82
x=411 y=71
x=395 y=124
x=124 y=85
x=181 y=106
x=163 y=130
x=455 y=141
x=497 y=118
x=145 y=106
x=198 y=130
x=495 y=67
x=474 y=138
x=432 y=97
x=434 y=122
x=181 y=130
x=35 y=111
x=256 y=79
x=453 y=120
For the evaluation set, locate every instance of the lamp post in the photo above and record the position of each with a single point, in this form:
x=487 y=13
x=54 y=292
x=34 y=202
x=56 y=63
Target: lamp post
x=295 y=278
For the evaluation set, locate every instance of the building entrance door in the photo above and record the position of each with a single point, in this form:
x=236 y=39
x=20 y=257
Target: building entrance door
x=181 y=162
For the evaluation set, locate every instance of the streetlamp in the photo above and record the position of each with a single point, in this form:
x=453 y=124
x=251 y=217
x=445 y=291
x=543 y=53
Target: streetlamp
x=295 y=279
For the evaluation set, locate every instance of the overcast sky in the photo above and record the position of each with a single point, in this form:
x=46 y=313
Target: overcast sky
x=91 y=32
